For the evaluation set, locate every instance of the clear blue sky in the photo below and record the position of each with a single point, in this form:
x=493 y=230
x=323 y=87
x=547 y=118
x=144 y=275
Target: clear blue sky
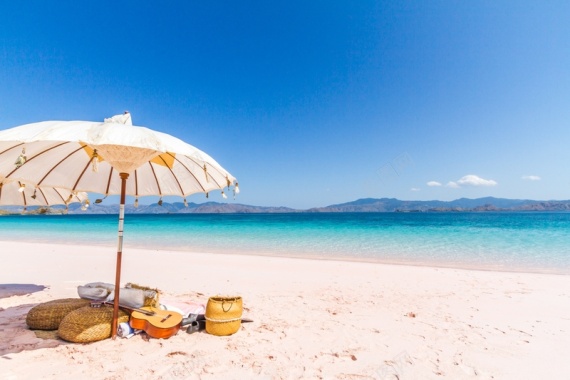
x=312 y=103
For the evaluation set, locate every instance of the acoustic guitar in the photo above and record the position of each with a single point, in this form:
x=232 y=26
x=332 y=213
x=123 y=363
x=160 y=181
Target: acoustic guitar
x=155 y=322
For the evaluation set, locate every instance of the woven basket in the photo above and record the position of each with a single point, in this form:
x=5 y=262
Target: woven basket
x=48 y=315
x=89 y=324
x=223 y=315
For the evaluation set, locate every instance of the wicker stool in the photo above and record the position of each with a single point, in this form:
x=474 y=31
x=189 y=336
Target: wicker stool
x=48 y=315
x=89 y=324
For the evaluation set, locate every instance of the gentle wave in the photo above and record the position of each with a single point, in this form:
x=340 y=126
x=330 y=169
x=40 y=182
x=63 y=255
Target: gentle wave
x=506 y=241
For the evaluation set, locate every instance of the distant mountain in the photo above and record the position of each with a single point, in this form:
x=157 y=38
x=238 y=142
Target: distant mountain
x=463 y=204
x=180 y=208
x=360 y=205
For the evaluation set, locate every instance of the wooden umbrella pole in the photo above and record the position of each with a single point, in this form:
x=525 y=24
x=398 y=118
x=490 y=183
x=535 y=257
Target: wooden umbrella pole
x=124 y=177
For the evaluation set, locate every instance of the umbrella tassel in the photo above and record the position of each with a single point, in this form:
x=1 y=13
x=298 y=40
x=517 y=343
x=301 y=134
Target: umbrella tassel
x=95 y=161
x=21 y=160
x=236 y=190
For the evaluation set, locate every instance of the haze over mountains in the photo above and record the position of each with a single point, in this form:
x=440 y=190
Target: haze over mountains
x=360 y=205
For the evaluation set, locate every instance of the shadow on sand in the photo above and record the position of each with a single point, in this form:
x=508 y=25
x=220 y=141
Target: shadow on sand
x=15 y=335
x=9 y=290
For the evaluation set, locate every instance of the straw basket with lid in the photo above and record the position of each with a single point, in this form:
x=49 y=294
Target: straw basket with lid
x=48 y=315
x=89 y=324
x=223 y=315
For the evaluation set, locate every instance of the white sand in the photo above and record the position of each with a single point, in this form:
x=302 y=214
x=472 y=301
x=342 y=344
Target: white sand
x=312 y=319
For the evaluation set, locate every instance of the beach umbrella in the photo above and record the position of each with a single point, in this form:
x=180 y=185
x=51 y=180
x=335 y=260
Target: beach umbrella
x=110 y=157
x=26 y=194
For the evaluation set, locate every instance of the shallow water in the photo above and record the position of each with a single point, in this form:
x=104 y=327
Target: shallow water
x=534 y=241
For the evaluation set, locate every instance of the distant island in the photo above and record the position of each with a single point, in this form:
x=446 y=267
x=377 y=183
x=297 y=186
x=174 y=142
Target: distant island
x=361 y=205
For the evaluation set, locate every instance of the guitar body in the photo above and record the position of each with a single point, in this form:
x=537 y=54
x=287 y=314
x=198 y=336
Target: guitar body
x=156 y=323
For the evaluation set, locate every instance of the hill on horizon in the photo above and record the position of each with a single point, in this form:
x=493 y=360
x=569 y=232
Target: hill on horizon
x=461 y=204
x=359 y=205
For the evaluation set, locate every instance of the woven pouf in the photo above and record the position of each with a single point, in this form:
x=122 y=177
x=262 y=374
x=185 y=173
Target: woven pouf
x=223 y=315
x=89 y=324
x=48 y=315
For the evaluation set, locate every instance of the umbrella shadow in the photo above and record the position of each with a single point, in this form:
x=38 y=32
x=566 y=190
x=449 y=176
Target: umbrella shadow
x=16 y=336
x=9 y=290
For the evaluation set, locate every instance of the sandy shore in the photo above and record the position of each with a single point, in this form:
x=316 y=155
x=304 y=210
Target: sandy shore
x=312 y=319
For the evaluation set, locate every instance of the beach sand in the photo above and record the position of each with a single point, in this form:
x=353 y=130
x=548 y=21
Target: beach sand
x=313 y=319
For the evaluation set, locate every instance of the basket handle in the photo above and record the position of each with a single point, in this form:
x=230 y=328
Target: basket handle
x=231 y=304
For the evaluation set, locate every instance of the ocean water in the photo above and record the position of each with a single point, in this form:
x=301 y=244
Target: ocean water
x=533 y=241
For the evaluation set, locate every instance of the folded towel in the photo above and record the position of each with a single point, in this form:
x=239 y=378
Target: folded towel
x=92 y=293
x=184 y=308
x=126 y=331
x=129 y=297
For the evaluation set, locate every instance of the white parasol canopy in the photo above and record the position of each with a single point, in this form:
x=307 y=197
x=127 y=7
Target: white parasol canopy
x=64 y=154
x=111 y=157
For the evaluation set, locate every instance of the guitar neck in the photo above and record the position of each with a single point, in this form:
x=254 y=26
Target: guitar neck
x=145 y=312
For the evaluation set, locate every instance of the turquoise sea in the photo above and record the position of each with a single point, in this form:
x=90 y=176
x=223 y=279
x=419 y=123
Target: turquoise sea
x=533 y=241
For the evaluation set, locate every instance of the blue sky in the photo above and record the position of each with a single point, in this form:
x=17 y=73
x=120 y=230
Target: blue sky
x=312 y=103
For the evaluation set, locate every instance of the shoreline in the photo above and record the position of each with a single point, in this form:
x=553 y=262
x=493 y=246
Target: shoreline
x=312 y=318
x=534 y=244
x=305 y=256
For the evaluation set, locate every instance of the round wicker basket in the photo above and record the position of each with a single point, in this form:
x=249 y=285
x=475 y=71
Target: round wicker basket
x=223 y=315
x=48 y=315
x=89 y=324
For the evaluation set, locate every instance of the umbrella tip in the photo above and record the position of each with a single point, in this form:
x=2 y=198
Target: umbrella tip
x=125 y=118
